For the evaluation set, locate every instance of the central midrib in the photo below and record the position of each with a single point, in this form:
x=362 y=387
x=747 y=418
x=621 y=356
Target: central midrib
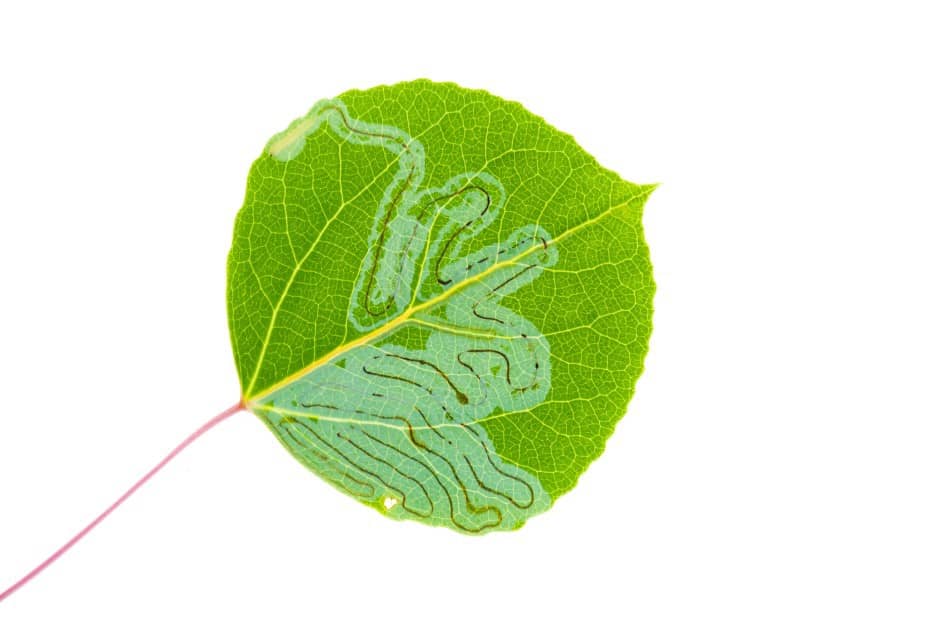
x=390 y=326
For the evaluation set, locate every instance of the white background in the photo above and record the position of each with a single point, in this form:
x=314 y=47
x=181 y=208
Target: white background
x=784 y=464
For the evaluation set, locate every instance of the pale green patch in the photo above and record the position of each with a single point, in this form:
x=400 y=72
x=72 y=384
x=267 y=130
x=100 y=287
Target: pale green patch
x=397 y=427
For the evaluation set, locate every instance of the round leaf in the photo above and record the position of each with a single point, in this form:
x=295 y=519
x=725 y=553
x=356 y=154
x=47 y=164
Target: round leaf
x=438 y=303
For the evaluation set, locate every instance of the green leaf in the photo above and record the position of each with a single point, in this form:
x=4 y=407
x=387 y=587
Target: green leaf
x=438 y=302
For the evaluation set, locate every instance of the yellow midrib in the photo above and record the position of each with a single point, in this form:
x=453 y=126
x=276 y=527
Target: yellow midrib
x=251 y=401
